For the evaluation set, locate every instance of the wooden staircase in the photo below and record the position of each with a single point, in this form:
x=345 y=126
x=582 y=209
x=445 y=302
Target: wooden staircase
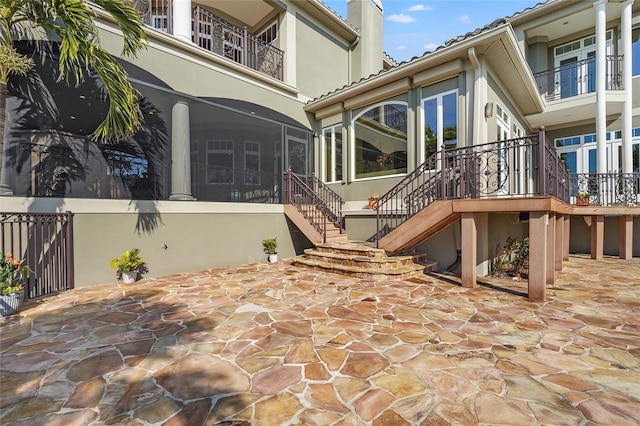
x=363 y=260
x=426 y=223
x=299 y=217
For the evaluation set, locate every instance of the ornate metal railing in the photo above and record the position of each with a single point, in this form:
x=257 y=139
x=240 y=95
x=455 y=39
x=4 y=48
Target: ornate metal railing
x=607 y=189
x=316 y=201
x=217 y=35
x=518 y=167
x=45 y=242
x=226 y=184
x=578 y=78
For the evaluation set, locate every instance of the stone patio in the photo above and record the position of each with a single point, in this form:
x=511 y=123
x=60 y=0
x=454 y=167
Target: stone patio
x=276 y=344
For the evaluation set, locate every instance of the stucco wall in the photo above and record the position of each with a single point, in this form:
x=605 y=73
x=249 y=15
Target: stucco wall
x=198 y=235
x=580 y=240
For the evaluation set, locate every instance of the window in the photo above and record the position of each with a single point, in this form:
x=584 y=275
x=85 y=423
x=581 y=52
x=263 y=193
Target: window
x=251 y=163
x=269 y=34
x=381 y=141
x=219 y=161
x=440 y=122
x=332 y=140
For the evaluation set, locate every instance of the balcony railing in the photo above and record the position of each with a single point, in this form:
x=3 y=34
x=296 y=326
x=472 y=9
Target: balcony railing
x=219 y=36
x=607 y=189
x=520 y=167
x=225 y=184
x=578 y=78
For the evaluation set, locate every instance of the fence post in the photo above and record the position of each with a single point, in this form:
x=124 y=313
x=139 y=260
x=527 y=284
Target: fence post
x=542 y=157
x=245 y=47
x=196 y=25
x=443 y=174
x=69 y=250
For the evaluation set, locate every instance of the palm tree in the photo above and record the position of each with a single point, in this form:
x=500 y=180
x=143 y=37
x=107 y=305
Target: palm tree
x=80 y=53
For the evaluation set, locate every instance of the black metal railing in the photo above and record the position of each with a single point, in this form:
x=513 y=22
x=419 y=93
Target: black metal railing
x=317 y=202
x=45 y=242
x=578 y=78
x=518 y=167
x=606 y=189
x=225 y=184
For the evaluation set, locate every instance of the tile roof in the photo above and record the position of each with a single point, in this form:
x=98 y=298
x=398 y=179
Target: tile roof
x=448 y=43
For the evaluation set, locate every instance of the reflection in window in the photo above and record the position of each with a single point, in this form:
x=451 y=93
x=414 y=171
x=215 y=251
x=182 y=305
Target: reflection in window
x=220 y=161
x=440 y=122
x=332 y=139
x=252 y=163
x=381 y=141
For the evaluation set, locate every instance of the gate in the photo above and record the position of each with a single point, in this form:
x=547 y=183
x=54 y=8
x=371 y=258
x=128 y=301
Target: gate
x=45 y=242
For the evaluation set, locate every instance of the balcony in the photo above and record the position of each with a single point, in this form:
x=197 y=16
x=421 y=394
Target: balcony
x=606 y=189
x=578 y=78
x=216 y=35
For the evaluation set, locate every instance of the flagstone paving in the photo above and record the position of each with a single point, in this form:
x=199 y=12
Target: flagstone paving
x=275 y=344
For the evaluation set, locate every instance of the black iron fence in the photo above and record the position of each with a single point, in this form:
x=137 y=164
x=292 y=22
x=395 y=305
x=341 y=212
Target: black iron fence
x=577 y=78
x=45 y=242
x=606 y=189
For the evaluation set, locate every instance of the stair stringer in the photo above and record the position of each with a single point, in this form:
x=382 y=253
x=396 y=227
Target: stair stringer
x=424 y=224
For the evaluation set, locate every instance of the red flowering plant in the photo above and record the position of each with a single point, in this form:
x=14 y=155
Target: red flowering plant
x=13 y=271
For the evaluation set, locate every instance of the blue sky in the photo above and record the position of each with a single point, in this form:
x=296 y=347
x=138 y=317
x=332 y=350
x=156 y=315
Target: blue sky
x=414 y=27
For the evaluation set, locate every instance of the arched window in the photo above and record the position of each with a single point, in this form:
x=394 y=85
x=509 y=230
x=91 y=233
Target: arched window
x=381 y=141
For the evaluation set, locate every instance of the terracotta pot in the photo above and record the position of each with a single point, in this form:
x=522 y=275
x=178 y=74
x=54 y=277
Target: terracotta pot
x=582 y=201
x=373 y=204
x=10 y=303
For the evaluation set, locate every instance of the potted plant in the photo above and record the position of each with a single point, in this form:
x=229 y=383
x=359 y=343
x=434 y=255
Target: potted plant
x=269 y=246
x=373 y=201
x=582 y=199
x=11 y=288
x=129 y=266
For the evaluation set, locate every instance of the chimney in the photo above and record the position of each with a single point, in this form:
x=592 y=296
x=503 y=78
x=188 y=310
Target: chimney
x=366 y=16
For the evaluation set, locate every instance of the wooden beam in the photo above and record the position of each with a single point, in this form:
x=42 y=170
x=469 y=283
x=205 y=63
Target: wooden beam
x=625 y=226
x=469 y=250
x=597 y=237
x=537 y=255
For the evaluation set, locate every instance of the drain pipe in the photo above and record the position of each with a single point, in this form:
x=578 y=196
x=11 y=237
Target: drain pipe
x=349 y=65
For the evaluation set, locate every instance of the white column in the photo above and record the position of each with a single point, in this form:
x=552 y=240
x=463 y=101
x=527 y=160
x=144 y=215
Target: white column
x=627 y=118
x=180 y=153
x=182 y=15
x=601 y=101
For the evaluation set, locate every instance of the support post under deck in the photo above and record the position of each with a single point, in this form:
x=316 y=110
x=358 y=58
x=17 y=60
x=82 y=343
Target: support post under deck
x=537 y=255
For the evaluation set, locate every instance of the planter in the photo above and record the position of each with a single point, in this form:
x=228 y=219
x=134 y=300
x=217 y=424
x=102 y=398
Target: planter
x=10 y=303
x=129 y=277
x=373 y=204
x=272 y=257
x=582 y=201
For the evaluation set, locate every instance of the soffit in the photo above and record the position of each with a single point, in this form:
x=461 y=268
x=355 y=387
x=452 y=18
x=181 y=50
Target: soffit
x=250 y=12
x=499 y=48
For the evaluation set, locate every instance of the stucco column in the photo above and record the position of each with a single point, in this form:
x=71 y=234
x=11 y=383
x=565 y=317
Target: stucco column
x=627 y=115
x=479 y=135
x=625 y=226
x=469 y=251
x=180 y=153
x=597 y=237
x=537 y=255
x=182 y=16
x=559 y=242
x=567 y=235
x=601 y=101
x=551 y=252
